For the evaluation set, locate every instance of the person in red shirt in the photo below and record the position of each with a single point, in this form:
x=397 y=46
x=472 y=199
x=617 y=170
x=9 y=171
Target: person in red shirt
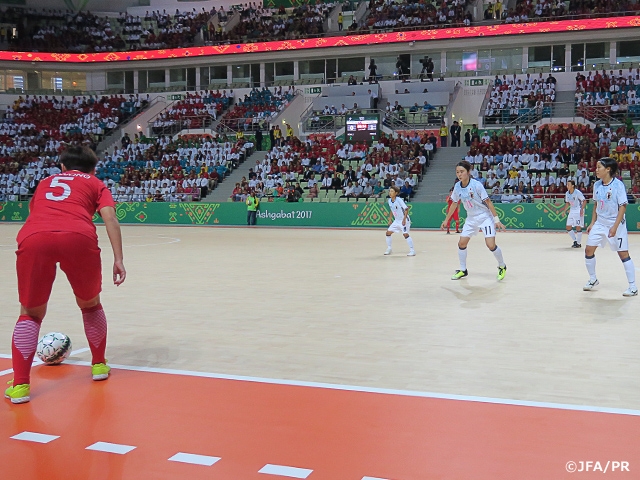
x=60 y=229
x=456 y=214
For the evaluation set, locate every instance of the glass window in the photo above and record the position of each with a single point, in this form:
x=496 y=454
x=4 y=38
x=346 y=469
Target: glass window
x=386 y=66
x=454 y=62
x=577 y=57
x=351 y=66
x=540 y=57
x=628 y=51
x=155 y=78
x=597 y=54
x=332 y=72
x=204 y=77
x=269 y=68
x=485 y=62
x=218 y=72
x=284 y=69
x=311 y=69
x=115 y=80
x=558 y=58
x=416 y=66
x=241 y=74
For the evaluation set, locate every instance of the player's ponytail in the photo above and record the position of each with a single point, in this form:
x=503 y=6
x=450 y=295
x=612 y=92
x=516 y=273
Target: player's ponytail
x=611 y=164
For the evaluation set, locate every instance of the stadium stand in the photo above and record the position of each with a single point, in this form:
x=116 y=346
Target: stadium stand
x=390 y=16
x=165 y=169
x=520 y=97
x=84 y=32
x=529 y=165
x=323 y=169
x=602 y=96
x=197 y=110
x=36 y=128
x=256 y=109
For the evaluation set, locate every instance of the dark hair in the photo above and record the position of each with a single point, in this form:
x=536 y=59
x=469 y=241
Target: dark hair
x=395 y=189
x=611 y=164
x=464 y=164
x=572 y=182
x=82 y=159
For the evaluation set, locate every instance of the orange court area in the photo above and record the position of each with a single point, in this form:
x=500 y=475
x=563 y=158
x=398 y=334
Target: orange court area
x=237 y=429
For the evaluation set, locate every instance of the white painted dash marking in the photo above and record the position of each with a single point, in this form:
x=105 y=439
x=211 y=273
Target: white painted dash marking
x=194 y=459
x=6 y=372
x=35 y=437
x=373 y=478
x=110 y=448
x=284 y=471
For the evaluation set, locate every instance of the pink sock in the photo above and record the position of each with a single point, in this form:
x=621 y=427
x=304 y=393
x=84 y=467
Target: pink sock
x=95 y=328
x=23 y=347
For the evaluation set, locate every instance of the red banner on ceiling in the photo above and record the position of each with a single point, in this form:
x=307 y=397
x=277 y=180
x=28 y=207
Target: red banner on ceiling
x=339 y=41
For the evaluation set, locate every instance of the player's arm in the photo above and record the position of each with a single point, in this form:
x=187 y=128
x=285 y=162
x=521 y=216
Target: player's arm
x=594 y=217
x=452 y=208
x=487 y=201
x=621 y=211
x=405 y=210
x=108 y=214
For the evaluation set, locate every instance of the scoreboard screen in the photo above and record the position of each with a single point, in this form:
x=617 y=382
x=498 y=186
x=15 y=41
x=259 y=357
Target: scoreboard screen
x=362 y=128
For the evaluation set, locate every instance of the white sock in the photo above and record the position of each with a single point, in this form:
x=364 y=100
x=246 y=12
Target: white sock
x=579 y=235
x=591 y=267
x=389 y=241
x=462 y=256
x=572 y=235
x=410 y=242
x=498 y=254
x=630 y=270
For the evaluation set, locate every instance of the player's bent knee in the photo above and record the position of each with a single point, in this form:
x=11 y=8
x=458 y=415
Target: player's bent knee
x=88 y=303
x=624 y=256
x=406 y=235
x=35 y=312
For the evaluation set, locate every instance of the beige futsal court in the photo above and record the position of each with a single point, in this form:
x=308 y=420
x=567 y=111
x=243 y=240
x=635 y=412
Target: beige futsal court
x=254 y=353
x=327 y=306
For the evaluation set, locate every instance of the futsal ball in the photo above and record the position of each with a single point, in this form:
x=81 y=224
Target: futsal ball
x=54 y=348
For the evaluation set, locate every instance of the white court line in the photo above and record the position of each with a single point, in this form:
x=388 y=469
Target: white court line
x=284 y=471
x=36 y=361
x=79 y=351
x=384 y=391
x=373 y=478
x=35 y=437
x=193 y=459
x=110 y=448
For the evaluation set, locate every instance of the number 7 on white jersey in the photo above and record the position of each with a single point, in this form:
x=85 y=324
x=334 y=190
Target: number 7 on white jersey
x=66 y=189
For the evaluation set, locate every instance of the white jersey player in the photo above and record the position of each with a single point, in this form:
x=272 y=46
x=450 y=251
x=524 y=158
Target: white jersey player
x=608 y=224
x=481 y=216
x=576 y=201
x=401 y=222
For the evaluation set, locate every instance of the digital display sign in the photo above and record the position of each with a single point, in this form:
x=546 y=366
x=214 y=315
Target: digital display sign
x=362 y=128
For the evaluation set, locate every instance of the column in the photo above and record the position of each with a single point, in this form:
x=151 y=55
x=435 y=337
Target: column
x=263 y=75
x=525 y=59
x=198 y=78
x=613 y=53
x=229 y=75
x=135 y=81
x=567 y=57
x=296 y=70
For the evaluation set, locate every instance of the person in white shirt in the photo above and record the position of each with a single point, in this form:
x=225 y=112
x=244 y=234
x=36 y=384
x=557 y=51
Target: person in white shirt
x=481 y=216
x=575 y=218
x=608 y=224
x=401 y=222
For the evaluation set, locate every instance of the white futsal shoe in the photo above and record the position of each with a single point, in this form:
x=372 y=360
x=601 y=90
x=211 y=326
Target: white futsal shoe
x=412 y=253
x=590 y=284
x=388 y=251
x=630 y=292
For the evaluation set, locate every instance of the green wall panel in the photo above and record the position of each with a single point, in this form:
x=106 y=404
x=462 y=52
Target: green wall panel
x=534 y=216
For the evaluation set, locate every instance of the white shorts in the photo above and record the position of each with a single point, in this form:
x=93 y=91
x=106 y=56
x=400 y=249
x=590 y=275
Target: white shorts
x=483 y=224
x=575 y=220
x=397 y=227
x=599 y=237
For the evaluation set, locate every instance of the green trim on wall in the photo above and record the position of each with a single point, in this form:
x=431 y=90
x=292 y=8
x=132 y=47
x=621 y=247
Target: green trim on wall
x=529 y=216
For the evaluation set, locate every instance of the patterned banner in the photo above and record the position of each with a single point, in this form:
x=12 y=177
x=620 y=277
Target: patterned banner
x=339 y=41
x=529 y=216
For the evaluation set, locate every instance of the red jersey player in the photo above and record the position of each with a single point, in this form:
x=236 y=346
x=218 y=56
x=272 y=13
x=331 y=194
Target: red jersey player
x=59 y=229
x=456 y=214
